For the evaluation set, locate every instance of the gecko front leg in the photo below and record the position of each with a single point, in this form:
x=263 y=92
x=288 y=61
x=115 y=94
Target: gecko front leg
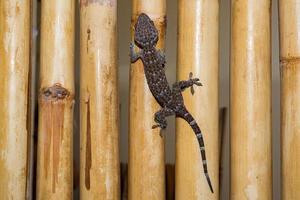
x=134 y=56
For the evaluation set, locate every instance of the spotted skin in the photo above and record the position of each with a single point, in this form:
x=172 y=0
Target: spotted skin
x=171 y=100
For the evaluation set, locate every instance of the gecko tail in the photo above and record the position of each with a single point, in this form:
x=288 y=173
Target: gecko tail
x=192 y=122
x=209 y=183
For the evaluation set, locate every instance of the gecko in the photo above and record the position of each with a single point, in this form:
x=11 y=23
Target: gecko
x=171 y=100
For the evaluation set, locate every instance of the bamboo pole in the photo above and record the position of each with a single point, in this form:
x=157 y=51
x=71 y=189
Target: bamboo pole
x=146 y=146
x=198 y=27
x=56 y=96
x=100 y=167
x=251 y=156
x=31 y=96
x=14 y=76
x=289 y=11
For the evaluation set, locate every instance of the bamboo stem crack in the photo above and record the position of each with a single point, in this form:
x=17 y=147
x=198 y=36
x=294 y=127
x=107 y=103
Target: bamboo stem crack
x=88 y=160
x=292 y=60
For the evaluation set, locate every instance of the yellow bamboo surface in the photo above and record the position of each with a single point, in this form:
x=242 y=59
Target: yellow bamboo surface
x=56 y=99
x=289 y=11
x=146 y=146
x=100 y=169
x=251 y=161
x=198 y=26
x=14 y=73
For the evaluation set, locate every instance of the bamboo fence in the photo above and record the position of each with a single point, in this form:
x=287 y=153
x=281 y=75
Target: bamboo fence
x=14 y=87
x=198 y=52
x=250 y=104
x=198 y=27
x=56 y=99
x=289 y=11
x=146 y=146
x=99 y=171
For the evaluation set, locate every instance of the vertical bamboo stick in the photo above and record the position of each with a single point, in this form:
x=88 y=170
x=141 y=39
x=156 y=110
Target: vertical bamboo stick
x=14 y=73
x=251 y=164
x=198 y=26
x=55 y=141
x=289 y=11
x=100 y=169
x=31 y=104
x=146 y=146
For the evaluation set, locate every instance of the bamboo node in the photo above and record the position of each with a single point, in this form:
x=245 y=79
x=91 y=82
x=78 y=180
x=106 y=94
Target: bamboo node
x=55 y=92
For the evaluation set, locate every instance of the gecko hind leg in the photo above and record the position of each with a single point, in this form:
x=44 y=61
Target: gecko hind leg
x=189 y=83
x=160 y=118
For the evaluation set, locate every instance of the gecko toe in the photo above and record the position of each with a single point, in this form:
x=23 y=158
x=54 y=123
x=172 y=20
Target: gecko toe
x=162 y=126
x=155 y=126
x=192 y=90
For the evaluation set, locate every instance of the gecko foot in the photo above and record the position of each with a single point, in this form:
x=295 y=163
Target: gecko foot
x=194 y=81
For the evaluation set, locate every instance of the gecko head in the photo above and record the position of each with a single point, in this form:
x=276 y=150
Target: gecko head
x=146 y=35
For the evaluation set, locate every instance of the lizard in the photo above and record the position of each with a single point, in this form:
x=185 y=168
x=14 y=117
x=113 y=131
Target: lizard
x=171 y=100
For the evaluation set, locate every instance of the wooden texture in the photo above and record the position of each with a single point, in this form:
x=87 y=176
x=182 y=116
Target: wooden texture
x=14 y=76
x=289 y=11
x=146 y=146
x=198 y=26
x=56 y=99
x=99 y=108
x=250 y=105
x=31 y=105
